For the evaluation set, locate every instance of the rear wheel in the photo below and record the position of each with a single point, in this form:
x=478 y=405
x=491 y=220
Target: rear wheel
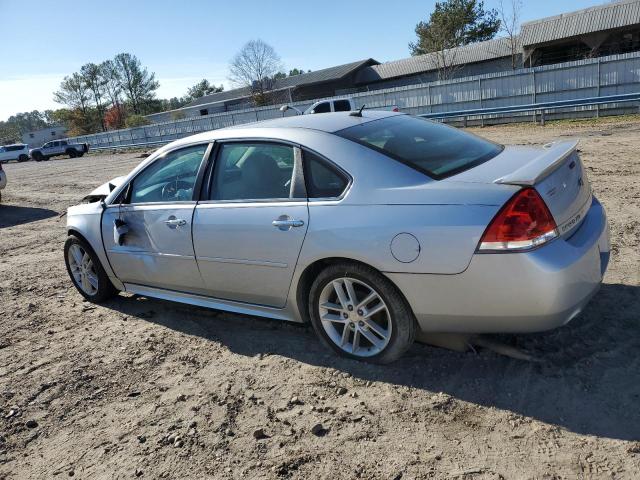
x=72 y=153
x=86 y=272
x=23 y=158
x=360 y=314
x=37 y=156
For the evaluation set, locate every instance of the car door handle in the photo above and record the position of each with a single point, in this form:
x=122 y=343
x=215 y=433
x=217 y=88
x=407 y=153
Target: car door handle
x=175 y=222
x=287 y=224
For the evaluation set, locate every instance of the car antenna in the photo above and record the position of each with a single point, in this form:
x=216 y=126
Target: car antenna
x=357 y=113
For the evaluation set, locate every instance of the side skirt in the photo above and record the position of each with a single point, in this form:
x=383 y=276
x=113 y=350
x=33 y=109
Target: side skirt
x=214 y=303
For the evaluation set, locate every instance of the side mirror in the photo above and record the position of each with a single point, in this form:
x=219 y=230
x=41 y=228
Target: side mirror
x=120 y=229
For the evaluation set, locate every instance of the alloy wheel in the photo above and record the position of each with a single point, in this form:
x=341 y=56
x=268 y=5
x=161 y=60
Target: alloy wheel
x=355 y=317
x=82 y=269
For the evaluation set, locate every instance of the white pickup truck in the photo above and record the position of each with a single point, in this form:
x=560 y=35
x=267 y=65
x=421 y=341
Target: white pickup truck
x=58 y=147
x=338 y=105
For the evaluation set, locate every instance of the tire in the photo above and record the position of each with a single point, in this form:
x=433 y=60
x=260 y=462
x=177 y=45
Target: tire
x=23 y=158
x=72 y=153
x=94 y=285
x=391 y=328
x=37 y=156
x=80 y=154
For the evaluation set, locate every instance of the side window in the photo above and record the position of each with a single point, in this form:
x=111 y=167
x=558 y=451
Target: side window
x=253 y=171
x=342 y=106
x=56 y=144
x=323 y=107
x=171 y=178
x=63 y=143
x=323 y=180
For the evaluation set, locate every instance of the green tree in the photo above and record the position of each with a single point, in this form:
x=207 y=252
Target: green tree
x=453 y=23
x=73 y=93
x=202 y=88
x=138 y=85
x=96 y=84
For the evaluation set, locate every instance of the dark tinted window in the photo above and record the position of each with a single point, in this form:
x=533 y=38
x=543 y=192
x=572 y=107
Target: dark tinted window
x=323 y=107
x=322 y=179
x=429 y=147
x=13 y=148
x=342 y=106
x=63 y=143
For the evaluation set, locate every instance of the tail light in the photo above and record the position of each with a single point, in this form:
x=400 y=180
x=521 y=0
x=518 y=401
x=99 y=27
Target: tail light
x=395 y=109
x=523 y=223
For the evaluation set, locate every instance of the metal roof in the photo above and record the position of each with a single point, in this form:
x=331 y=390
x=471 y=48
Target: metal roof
x=581 y=22
x=475 y=52
x=319 y=76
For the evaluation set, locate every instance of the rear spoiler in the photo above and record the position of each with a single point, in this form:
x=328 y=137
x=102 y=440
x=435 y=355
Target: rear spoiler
x=540 y=167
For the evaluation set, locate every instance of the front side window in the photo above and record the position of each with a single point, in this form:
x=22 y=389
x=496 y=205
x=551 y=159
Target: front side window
x=253 y=171
x=432 y=148
x=171 y=178
x=323 y=107
x=342 y=106
x=322 y=179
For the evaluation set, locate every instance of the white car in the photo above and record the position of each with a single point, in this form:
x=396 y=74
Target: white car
x=17 y=151
x=3 y=180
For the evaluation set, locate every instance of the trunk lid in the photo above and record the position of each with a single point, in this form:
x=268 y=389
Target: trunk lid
x=554 y=170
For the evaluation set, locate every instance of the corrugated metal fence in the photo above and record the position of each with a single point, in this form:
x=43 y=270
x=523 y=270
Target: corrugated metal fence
x=605 y=76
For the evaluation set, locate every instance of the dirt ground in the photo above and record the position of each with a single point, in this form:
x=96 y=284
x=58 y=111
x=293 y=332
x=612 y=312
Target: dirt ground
x=150 y=389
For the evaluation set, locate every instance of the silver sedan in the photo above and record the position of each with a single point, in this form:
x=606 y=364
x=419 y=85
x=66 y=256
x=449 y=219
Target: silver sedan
x=372 y=226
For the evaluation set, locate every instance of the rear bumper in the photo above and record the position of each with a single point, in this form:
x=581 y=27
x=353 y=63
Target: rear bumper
x=515 y=292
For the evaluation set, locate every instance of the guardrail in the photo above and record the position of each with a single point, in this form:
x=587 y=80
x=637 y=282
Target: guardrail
x=537 y=108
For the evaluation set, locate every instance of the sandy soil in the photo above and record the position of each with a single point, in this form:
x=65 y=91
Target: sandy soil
x=150 y=389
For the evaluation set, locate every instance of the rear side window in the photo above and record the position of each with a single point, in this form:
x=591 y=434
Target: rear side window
x=322 y=179
x=323 y=107
x=254 y=171
x=342 y=106
x=432 y=148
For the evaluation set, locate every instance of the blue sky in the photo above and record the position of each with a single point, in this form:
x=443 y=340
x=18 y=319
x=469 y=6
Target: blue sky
x=185 y=41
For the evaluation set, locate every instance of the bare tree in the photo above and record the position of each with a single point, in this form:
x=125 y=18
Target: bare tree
x=510 y=25
x=254 y=66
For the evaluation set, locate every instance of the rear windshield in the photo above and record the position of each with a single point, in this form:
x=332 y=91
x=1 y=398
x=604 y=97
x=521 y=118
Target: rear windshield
x=434 y=149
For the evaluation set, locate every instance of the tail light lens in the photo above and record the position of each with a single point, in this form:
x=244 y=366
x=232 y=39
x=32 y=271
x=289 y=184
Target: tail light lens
x=523 y=223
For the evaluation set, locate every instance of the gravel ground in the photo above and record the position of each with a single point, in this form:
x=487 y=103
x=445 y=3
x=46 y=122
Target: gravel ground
x=144 y=388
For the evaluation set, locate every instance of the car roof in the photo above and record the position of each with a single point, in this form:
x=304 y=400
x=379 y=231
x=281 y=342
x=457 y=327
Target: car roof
x=326 y=122
x=14 y=145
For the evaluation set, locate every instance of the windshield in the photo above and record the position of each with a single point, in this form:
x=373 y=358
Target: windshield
x=432 y=148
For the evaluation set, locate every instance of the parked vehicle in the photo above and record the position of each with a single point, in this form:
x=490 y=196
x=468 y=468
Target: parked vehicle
x=329 y=106
x=16 y=151
x=369 y=225
x=55 y=148
x=341 y=105
x=3 y=180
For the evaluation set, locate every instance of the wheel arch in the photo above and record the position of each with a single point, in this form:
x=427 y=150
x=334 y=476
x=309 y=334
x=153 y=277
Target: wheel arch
x=313 y=269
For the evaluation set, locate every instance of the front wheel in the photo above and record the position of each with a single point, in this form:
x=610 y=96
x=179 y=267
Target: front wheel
x=86 y=272
x=72 y=153
x=23 y=158
x=360 y=314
